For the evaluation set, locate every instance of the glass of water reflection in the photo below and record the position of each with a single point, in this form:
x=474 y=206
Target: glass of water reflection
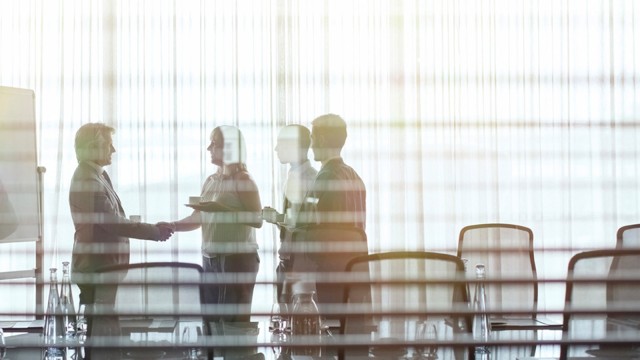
x=426 y=330
x=279 y=320
x=3 y=347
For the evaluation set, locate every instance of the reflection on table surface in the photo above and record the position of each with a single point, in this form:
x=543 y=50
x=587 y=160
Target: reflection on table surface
x=417 y=340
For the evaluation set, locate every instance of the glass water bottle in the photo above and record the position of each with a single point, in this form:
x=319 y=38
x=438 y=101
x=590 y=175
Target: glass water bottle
x=68 y=310
x=481 y=326
x=305 y=321
x=53 y=322
x=462 y=320
x=66 y=303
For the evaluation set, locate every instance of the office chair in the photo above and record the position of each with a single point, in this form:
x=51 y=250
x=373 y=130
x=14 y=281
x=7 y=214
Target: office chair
x=322 y=252
x=506 y=250
x=601 y=316
x=628 y=236
x=147 y=302
x=392 y=292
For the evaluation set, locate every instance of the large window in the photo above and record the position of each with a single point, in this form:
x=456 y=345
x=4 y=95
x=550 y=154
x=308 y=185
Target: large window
x=459 y=112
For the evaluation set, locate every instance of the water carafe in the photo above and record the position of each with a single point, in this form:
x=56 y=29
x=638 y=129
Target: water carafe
x=481 y=325
x=68 y=310
x=66 y=303
x=53 y=323
x=305 y=320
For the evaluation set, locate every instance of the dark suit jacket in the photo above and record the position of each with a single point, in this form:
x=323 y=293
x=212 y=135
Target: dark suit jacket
x=338 y=196
x=102 y=229
x=335 y=210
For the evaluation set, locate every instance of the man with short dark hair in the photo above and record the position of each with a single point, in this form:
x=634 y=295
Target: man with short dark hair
x=336 y=205
x=338 y=195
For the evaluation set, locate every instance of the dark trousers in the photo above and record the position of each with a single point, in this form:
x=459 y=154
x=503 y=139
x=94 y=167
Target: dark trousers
x=99 y=324
x=232 y=279
x=283 y=295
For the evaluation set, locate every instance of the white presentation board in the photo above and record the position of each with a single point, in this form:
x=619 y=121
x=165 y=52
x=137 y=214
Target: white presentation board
x=19 y=215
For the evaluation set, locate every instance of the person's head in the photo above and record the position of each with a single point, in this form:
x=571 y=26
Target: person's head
x=227 y=146
x=293 y=144
x=328 y=135
x=94 y=143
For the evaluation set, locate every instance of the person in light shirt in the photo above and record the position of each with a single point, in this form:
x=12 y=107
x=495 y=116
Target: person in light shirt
x=292 y=148
x=228 y=214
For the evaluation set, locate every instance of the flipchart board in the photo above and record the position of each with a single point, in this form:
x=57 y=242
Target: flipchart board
x=18 y=166
x=20 y=199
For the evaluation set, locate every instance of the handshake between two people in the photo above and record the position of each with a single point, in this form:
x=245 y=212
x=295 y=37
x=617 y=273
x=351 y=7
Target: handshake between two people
x=165 y=231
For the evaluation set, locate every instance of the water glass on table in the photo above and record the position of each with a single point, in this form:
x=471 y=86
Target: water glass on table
x=3 y=346
x=426 y=330
x=279 y=320
x=190 y=336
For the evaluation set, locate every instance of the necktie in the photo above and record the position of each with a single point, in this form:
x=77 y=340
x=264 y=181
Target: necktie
x=112 y=193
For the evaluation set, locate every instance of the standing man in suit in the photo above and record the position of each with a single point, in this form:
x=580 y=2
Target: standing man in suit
x=338 y=195
x=292 y=148
x=336 y=204
x=333 y=219
x=102 y=230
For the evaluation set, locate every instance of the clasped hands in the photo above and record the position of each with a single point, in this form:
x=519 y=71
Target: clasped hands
x=165 y=230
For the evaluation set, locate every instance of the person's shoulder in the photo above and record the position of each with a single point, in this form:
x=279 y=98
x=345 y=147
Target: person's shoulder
x=84 y=172
x=334 y=166
x=310 y=171
x=327 y=173
x=242 y=175
x=341 y=164
x=338 y=169
x=85 y=179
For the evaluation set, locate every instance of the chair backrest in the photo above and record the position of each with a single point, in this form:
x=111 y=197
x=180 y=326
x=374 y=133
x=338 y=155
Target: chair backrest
x=149 y=295
x=628 y=237
x=506 y=250
x=324 y=251
x=602 y=297
x=405 y=287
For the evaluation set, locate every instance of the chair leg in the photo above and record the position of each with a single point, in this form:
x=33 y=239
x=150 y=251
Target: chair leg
x=533 y=347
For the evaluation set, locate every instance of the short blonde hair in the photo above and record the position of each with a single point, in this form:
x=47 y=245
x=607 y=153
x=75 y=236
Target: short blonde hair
x=333 y=128
x=88 y=136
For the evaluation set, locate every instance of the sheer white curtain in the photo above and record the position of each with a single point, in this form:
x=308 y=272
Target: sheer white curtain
x=459 y=112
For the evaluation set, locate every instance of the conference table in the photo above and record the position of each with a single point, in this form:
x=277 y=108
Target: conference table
x=254 y=341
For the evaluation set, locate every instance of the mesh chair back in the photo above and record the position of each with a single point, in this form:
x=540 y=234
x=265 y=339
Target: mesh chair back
x=506 y=250
x=628 y=237
x=324 y=251
x=405 y=287
x=602 y=296
x=160 y=294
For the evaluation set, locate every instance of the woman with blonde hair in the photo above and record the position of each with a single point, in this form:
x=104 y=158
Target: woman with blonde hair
x=228 y=214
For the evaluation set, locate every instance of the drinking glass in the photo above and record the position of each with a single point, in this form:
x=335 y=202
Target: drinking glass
x=190 y=336
x=279 y=345
x=3 y=347
x=279 y=320
x=426 y=330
